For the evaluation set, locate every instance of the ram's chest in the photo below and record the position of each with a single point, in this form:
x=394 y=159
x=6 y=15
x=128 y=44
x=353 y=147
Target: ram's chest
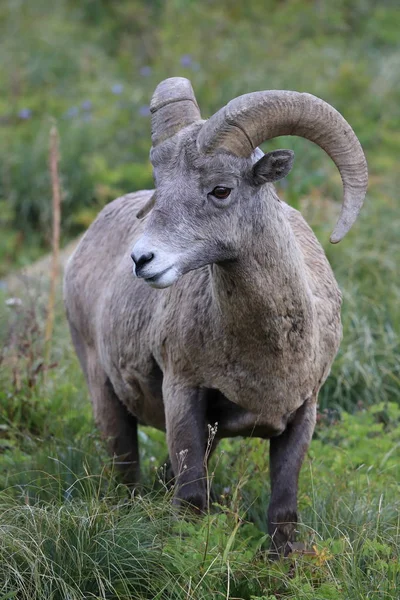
x=266 y=385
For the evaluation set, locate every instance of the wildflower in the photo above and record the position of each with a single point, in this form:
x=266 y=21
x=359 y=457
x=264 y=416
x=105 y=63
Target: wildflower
x=14 y=302
x=146 y=71
x=186 y=60
x=72 y=112
x=68 y=495
x=117 y=89
x=144 y=111
x=25 y=113
x=322 y=556
x=87 y=105
x=283 y=183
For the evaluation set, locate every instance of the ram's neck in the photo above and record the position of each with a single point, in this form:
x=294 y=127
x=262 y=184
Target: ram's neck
x=265 y=292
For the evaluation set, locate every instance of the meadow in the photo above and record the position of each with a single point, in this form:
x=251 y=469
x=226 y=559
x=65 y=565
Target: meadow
x=68 y=528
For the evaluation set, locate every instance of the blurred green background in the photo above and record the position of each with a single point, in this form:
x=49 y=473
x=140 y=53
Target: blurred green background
x=92 y=66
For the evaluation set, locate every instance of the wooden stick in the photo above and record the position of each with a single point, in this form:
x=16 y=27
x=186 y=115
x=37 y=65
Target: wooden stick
x=54 y=158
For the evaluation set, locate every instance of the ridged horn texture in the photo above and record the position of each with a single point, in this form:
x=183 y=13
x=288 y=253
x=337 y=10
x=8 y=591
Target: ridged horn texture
x=246 y=122
x=173 y=106
x=147 y=207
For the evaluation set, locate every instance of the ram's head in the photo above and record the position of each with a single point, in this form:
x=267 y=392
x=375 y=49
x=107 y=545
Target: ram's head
x=212 y=181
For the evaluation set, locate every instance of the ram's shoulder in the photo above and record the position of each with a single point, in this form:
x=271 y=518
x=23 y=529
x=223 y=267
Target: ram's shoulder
x=298 y=223
x=320 y=274
x=305 y=236
x=127 y=205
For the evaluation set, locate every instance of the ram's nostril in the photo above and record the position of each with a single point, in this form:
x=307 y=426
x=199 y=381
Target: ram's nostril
x=143 y=259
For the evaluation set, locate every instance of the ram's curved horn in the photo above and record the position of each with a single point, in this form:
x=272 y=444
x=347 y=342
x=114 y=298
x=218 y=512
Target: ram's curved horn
x=173 y=106
x=142 y=212
x=244 y=123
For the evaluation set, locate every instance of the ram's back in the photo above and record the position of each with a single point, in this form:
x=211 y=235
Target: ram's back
x=91 y=274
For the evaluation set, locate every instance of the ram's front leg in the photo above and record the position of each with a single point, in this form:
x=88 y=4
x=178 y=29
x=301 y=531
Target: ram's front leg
x=185 y=414
x=287 y=453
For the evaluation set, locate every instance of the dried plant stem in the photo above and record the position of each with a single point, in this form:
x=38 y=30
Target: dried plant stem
x=56 y=205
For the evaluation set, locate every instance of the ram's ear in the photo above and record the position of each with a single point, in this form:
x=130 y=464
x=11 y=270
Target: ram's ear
x=147 y=207
x=272 y=167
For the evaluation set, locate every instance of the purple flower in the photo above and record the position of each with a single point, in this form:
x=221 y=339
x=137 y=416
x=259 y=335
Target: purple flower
x=283 y=183
x=146 y=71
x=14 y=302
x=144 y=111
x=72 y=112
x=25 y=113
x=87 y=105
x=117 y=89
x=186 y=60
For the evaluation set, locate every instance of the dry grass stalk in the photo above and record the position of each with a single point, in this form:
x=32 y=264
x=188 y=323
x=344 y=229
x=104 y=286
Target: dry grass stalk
x=54 y=158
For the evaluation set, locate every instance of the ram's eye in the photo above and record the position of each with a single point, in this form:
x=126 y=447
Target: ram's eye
x=220 y=192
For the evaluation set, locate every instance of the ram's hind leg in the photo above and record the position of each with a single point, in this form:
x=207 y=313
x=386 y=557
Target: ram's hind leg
x=117 y=425
x=287 y=453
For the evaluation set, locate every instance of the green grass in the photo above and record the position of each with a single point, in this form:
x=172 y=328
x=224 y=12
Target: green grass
x=103 y=546
x=367 y=368
x=68 y=530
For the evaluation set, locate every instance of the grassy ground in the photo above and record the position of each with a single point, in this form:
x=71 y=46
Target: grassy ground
x=68 y=530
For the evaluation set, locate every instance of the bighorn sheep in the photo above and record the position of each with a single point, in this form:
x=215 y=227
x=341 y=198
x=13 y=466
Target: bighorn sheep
x=245 y=323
